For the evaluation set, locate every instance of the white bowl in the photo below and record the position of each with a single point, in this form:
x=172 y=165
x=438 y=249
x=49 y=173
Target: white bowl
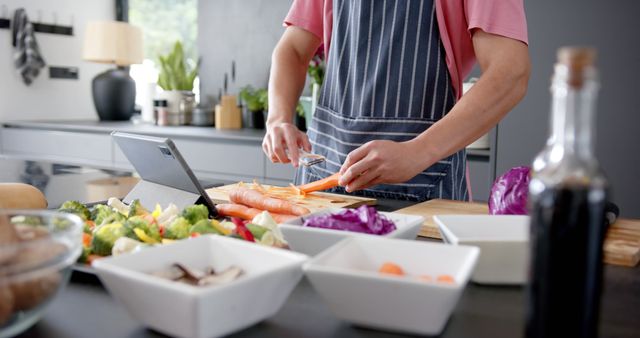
x=346 y=277
x=503 y=241
x=184 y=310
x=311 y=241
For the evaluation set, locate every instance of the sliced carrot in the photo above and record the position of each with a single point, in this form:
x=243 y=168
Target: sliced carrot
x=323 y=184
x=86 y=239
x=391 y=269
x=448 y=279
x=256 y=199
x=426 y=278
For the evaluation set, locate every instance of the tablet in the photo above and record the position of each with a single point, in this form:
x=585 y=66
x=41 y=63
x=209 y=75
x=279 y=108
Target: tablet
x=160 y=164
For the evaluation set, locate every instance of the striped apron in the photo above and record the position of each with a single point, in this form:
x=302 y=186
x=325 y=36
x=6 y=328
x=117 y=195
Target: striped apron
x=386 y=79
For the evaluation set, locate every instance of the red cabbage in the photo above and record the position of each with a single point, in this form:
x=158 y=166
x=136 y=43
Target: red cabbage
x=364 y=219
x=509 y=193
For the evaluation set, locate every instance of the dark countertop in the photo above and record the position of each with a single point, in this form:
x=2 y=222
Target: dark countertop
x=85 y=309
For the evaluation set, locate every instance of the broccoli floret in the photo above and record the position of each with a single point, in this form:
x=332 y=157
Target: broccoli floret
x=103 y=214
x=138 y=222
x=136 y=209
x=204 y=227
x=178 y=229
x=105 y=235
x=195 y=213
x=75 y=207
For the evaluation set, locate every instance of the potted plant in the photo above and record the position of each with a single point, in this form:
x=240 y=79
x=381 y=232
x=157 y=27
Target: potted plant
x=176 y=79
x=255 y=105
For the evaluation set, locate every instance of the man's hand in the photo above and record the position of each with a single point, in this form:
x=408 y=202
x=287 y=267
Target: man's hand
x=379 y=162
x=283 y=137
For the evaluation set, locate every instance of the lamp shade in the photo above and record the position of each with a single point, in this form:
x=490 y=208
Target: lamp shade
x=112 y=42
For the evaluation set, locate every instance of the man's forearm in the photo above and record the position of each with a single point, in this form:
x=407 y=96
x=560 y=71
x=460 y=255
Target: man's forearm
x=288 y=75
x=501 y=86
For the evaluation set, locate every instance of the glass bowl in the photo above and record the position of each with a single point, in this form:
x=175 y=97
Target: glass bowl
x=37 y=249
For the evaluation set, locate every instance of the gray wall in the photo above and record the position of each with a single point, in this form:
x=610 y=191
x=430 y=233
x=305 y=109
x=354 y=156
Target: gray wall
x=612 y=27
x=245 y=31
x=49 y=98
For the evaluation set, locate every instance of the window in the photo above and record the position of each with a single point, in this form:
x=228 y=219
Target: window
x=163 y=22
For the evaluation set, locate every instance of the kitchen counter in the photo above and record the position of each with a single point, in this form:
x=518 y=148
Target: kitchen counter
x=85 y=309
x=106 y=127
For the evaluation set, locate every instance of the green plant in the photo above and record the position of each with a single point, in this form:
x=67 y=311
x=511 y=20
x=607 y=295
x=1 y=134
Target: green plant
x=174 y=70
x=255 y=99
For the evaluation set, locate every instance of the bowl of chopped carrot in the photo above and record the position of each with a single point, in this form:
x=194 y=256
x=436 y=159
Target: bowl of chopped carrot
x=396 y=285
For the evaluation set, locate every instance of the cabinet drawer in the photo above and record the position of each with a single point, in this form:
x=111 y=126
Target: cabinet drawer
x=279 y=171
x=57 y=146
x=224 y=158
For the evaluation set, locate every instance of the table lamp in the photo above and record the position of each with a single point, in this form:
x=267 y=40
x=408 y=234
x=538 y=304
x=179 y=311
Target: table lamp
x=119 y=43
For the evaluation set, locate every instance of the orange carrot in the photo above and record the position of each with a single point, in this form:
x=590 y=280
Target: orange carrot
x=246 y=213
x=323 y=184
x=391 y=269
x=237 y=210
x=92 y=258
x=447 y=279
x=256 y=199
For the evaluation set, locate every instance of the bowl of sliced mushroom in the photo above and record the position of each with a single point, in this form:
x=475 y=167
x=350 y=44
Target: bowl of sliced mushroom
x=37 y=249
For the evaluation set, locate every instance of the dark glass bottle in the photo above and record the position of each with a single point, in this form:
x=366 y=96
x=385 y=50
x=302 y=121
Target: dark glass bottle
x=567 y=196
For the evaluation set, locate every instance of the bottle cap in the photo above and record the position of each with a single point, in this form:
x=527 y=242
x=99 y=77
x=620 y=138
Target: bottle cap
x=579 y=62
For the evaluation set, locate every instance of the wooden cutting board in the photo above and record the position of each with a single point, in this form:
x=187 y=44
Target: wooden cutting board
x=314 y=201
x=621 y=245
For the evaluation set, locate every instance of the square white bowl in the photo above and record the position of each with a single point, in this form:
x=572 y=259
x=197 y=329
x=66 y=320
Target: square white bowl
x=311 y=241
x=346 y=276
x=503 y=241
x=184 y=310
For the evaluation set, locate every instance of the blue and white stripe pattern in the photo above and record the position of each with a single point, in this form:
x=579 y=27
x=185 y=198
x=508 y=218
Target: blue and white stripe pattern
x=386 y=79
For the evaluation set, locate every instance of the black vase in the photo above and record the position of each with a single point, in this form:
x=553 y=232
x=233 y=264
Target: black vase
x=114 y=95
x=252 y=119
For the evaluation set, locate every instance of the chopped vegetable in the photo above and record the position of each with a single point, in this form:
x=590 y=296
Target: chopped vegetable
x=446 y=279
x=180 y=273
x=391 y=269
x=256 y=230
x=125 y=245
x=323 y=184
x=105 y=236
x=242 y=230
x=168 y=215
x=264 y=219
x=195 y=213
x=178 y=229
x=364 y=219
x=75 y=207
x=509 y=193
x=102 y=214
x=225 y=228
x=136 y=209
x=118 y=206
x=256 y=199
x=204 y=226
x=138 y=225
x=247 y=213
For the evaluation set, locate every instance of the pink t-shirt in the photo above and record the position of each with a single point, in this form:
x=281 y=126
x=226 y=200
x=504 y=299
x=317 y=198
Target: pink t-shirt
x=456 y=20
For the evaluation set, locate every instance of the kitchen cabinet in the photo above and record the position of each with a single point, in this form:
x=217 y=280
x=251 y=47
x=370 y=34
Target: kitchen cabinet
x=213 y=155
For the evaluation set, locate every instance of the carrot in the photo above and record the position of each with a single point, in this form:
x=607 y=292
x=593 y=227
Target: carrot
x=256 y=199
x=323 y=184
x=237 y=210
x=391 y=269
x=447 y=279
x=86 y=239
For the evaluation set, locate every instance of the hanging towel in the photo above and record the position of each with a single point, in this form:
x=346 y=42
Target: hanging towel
x=26 y=55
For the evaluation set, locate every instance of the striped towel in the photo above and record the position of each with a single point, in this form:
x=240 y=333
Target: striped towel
x=26 y=55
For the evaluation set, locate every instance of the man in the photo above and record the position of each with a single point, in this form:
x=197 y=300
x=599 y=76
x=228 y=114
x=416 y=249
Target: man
x=390 y=116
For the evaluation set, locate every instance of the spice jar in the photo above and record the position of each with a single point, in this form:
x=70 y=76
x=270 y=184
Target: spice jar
x=161 y=112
